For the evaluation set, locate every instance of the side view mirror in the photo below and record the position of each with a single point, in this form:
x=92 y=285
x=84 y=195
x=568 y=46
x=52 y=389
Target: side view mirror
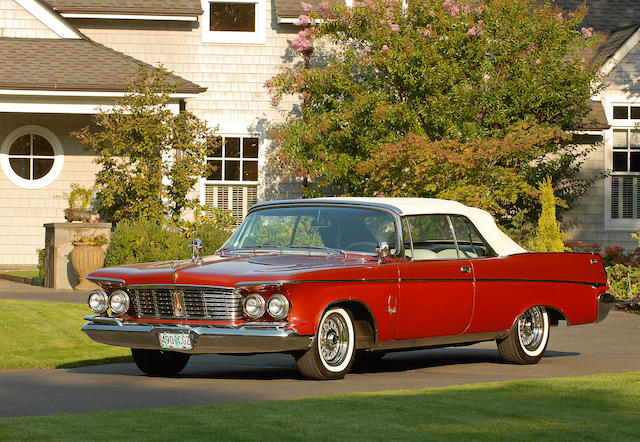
x=383 y=252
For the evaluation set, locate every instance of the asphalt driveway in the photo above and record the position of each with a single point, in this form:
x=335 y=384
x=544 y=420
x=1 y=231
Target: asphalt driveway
x=609 y=347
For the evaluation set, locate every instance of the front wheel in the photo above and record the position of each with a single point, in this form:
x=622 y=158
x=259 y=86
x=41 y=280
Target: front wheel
x=159 y=362
x=331 y=353
x=528 y=338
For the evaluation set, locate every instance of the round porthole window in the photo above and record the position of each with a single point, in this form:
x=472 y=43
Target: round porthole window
x=31 y=157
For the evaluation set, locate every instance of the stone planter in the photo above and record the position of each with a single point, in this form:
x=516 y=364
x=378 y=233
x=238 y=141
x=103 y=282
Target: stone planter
x=85 y=258
x=77 y=215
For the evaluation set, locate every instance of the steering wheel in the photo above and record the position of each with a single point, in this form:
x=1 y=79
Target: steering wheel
x=362 y=246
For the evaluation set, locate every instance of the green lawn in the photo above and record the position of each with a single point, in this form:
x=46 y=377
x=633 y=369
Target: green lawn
x=604 y=407
x=47 y=335
x=27 y=273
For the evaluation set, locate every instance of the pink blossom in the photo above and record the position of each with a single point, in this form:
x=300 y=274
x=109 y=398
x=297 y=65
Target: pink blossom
x=538 y=61
x=587 y=32
x=451 y=7
x=382 y=22
x=471 y=31
x=394 y=27
x=301 y=43
x=384 y=48
x=480 y=9
x=323 y=6
x=371 y=4
x=268 y=83
x=306 y=7
x=367 y=49
x=275 y=100
x=559 y=16
x=303 y=20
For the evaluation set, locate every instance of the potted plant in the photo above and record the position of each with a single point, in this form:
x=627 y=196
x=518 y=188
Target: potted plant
x=79 y=200
x=87 y=255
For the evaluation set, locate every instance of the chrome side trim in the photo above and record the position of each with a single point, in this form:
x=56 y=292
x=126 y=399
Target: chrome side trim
x=108 y=280
x=176 y=286
x=440 y=341
x=114 y=331
x=605 y=302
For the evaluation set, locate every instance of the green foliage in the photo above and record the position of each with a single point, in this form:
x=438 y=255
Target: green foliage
x=144 y=240
x=99 y=240
x=141 y=141
x=624 y=282
x=79 y=198
x=548 y=237
x=450 y=78
x=41 y=266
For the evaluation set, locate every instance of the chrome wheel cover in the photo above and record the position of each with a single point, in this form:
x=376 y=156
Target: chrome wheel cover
x=334 y=340
x=531 y=328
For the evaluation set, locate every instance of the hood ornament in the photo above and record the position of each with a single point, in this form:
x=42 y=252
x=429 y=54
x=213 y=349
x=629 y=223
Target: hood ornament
x=196 y=248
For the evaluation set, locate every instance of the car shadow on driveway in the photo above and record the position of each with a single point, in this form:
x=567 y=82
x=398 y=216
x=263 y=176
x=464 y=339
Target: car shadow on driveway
x=282 y=366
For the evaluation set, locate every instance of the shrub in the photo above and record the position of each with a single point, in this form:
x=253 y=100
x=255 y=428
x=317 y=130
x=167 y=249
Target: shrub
x=548 y=236
x=624 y=282
x=41 y=266
x=146 y=240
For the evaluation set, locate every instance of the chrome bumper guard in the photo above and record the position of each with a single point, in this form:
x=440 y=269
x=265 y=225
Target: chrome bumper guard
x=605 y=302
x=253 y=338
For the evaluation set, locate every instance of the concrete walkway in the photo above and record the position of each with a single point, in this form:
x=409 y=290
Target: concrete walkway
x=18 y=291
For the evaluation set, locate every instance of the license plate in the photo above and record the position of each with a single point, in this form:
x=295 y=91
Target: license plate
x=175 y=341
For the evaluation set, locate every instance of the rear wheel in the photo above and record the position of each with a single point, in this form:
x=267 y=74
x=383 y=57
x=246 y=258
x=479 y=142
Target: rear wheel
x=332 y=351
x=528 y=338
x=159 y=362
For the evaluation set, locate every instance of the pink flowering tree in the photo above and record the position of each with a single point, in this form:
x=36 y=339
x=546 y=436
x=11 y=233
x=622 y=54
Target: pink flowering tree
x=386 y=71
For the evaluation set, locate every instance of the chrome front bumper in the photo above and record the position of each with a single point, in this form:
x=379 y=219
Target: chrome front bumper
x=605 y=302
x=241 y=339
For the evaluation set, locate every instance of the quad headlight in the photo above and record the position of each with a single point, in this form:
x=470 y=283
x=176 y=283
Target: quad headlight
x=278 y=306
x=254 y=306
x=119 y=302
x=98 y=301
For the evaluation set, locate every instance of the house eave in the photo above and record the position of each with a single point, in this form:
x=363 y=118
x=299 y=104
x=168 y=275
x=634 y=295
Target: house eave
x=130 y=17
x=131 y=11
x=84 y=91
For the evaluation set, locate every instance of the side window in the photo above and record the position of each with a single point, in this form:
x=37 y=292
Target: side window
x=432 y=237
x=470 y=243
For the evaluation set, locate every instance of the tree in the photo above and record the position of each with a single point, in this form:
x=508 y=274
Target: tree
x=150 y=158
x=548 y=237
x=434 y=76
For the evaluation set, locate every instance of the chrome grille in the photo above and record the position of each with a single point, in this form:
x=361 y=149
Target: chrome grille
x=213 y=303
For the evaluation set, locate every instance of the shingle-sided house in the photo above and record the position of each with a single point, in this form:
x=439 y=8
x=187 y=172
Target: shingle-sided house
x=64 y=58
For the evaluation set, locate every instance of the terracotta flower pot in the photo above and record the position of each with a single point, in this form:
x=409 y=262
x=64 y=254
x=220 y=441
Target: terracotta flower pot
x=85 y=258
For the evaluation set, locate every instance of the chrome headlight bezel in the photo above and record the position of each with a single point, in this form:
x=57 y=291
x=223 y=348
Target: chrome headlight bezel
x=103 y=299
x=282 y=310
x=123 y=302
x=257 y=301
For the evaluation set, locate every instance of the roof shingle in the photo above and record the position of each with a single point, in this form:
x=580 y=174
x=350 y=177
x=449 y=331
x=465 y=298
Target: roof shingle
x=70 y=65
x=183 y=7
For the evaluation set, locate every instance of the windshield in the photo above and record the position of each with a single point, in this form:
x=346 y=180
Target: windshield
x=341 y=228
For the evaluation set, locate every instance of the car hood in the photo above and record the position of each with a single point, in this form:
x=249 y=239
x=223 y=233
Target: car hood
x=226 y=271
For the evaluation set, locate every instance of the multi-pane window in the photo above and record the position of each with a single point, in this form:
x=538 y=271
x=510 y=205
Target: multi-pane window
x=235 y=160
x=31 y=156
x=626 y=150
x=625 y=163
x=231 y=184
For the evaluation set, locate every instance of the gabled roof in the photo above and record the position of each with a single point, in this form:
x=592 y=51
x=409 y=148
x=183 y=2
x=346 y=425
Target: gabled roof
x=70 y=65
x=606 y=15
x=143 y=7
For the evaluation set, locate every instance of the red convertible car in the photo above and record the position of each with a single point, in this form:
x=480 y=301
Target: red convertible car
x=334 y=279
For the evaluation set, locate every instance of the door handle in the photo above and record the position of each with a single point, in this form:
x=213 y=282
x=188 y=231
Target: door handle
x=465 y=269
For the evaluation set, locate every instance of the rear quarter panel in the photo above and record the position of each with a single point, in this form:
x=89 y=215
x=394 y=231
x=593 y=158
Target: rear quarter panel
x=507 y=286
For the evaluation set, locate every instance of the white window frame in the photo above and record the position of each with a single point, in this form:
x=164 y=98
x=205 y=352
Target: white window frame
x=257 y=37
x=609 y=222
x=58 y=159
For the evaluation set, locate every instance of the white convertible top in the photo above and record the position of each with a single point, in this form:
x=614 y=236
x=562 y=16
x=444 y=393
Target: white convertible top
x=499 y=242
x=483 y=221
